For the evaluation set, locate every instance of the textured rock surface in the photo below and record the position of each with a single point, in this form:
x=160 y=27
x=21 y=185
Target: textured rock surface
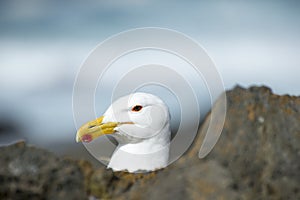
x=256 y=157
x=32 y=173
x=260 y=144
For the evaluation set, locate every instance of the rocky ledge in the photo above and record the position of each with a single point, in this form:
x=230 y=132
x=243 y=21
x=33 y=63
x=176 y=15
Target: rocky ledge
x=256 y=157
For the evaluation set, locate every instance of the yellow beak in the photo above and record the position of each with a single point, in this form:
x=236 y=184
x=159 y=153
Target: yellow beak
x=95 y=129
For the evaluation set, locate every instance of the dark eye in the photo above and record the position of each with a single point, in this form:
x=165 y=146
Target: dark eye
x=136 y=108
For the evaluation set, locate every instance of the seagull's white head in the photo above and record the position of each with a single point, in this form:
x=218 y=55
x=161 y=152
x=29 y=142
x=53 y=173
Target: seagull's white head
x=140 y=122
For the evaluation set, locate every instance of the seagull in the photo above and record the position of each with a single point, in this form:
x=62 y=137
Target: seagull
x=140 y=123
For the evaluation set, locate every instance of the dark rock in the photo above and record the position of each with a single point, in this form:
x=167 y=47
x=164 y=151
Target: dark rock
x=31 y=173
x=260 y=144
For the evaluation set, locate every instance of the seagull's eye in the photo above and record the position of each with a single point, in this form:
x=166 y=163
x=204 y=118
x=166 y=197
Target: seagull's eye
x=136 y=108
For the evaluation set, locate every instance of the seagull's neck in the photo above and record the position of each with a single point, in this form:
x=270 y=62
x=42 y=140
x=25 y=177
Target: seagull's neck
x=146 y=155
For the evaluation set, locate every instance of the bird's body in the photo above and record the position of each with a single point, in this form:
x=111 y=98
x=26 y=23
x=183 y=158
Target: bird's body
x=147 y=155
x=140 y=122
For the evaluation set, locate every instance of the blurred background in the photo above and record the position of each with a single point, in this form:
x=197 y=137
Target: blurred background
x=43 y=44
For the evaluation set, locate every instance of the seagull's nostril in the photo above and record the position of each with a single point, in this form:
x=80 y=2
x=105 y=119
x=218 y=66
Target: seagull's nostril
x=92 y=126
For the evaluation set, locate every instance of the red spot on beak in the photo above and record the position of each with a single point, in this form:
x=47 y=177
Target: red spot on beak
x=87 y=138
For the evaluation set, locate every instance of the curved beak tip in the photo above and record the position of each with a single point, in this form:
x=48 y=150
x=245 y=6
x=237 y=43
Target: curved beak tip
x=77 y=139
